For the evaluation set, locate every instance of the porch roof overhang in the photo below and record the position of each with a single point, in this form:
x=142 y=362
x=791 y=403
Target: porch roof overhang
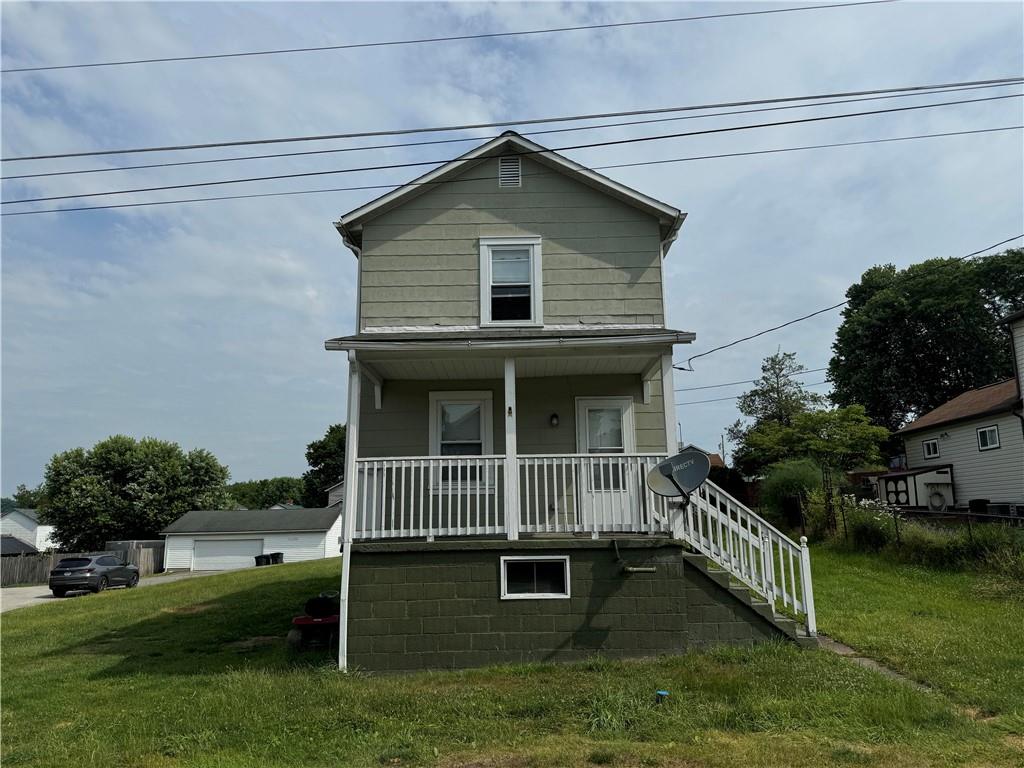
x=538 y=353
x=507 y=340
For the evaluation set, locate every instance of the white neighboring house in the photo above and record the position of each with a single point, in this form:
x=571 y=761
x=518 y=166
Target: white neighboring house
x=226 y=539
x=23 y=524
x=971 y=447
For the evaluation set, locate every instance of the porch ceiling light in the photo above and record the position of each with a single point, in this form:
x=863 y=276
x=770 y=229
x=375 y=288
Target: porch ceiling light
x=554 y=419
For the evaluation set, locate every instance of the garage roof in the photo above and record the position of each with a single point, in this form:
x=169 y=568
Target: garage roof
x=254 y=520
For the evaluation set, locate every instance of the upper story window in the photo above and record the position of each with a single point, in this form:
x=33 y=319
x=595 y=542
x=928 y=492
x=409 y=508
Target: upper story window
x=988 y=438
x=510 y=281
x=931 y=449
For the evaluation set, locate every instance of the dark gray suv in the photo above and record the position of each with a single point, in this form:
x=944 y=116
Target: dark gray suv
x=93 y=573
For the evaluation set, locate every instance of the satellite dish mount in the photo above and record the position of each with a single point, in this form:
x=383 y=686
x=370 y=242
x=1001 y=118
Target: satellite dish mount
x=680 y=475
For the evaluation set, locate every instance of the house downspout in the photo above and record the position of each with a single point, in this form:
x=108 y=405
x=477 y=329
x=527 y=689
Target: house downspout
x=350 y=243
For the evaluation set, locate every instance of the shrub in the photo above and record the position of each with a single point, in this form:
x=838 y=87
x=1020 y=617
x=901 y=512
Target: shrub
x=785 y=484
x=869 y=524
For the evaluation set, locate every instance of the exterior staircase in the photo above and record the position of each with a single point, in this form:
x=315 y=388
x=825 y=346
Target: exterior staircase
x=745 y=554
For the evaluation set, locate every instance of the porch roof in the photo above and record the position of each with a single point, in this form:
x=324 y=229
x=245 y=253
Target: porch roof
x=508 y=339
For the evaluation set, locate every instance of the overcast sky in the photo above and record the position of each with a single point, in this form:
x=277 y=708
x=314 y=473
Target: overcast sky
x=204 y=323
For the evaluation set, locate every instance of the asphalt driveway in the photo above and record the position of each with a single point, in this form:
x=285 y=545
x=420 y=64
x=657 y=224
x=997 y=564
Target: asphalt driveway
x=38 y=594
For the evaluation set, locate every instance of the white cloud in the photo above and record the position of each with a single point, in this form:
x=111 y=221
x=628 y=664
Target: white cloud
x=204 y=323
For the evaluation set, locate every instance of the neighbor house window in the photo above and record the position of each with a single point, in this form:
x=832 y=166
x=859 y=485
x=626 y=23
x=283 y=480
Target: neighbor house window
x=931 y=449
x=534 y=578
x=510 y=281
x=460 y=425
x=988 y=438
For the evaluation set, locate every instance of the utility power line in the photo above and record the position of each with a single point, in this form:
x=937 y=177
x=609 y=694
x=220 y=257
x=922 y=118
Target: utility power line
x=748 y=381
x=614 y=142
x=509 y=123
x=737 y=397
x=600 y=126
x=369 y=187
x=687 y=366
x=446 y=39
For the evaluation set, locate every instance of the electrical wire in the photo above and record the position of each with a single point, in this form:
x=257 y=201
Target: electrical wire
x=509 y=123
x=446 y=39
x=748 y=381
x=736 y=397
x=687 y=366
x=369 y=187
x=491 y=137
x=613 y=142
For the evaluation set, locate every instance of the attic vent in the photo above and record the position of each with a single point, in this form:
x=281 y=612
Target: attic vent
x=509 y=173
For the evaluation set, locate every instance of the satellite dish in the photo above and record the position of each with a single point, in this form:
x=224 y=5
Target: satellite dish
x=679 y=475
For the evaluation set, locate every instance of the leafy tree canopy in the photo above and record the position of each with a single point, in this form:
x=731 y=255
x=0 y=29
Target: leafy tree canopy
x=326 y=458
x=774 y=401
x=24 y=498
x=262 y=494
x=123 y=488
x=912 y=339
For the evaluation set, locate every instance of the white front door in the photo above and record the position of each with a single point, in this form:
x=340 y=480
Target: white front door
x=608 y=493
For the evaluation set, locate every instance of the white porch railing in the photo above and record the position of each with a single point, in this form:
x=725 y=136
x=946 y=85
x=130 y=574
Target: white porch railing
x=428 y=496
x=570 y=494
x=589 y=493
x=751 y=549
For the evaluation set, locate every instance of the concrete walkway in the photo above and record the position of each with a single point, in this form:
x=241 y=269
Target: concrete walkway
x=39 y=594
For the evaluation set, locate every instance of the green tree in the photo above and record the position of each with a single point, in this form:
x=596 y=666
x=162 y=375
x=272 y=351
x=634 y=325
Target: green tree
x=910 y=340
x=24 y=498
x=326 y=459
x=776 y=398
x=123 y=488
x=262 y=494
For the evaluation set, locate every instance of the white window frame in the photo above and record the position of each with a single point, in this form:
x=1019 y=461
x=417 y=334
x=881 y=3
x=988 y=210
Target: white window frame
x=483 y=398
x=536 y=283
x=506 y=595
x=994 y=428
x=924 y=448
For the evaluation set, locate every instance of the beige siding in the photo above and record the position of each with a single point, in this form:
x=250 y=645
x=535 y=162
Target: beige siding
x=401 y=427
x=997 y=475
x=601 y=258
x=19 y=526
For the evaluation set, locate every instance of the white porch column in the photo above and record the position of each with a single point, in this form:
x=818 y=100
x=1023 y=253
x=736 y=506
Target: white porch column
x=668 y=396
x=511 y=465
x=349 y=509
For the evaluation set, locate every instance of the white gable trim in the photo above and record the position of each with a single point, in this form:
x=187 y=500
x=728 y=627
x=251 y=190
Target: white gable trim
x=353 y=220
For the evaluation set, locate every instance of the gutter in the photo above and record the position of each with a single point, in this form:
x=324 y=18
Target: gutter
x=335 y=345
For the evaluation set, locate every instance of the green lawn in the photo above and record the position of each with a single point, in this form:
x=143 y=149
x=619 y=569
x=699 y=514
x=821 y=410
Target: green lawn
x=194 y=673
x=962 y=633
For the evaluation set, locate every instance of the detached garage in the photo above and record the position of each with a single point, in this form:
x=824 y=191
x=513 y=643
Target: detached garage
x=226 y=539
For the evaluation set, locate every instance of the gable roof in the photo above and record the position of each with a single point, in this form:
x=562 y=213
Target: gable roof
x=31 y=514
x=350 y=225
x=253 y=520
x=12 y=545
x=994 y=398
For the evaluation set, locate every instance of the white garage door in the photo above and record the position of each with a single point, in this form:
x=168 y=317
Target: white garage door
x=225 y=554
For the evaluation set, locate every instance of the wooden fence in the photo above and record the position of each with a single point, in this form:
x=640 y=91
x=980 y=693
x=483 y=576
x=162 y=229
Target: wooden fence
x=35 y=569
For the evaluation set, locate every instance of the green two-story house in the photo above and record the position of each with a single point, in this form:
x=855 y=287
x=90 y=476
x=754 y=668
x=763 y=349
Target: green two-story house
x=510 y=387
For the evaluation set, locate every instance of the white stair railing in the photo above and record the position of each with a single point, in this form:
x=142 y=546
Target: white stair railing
x=751 y=549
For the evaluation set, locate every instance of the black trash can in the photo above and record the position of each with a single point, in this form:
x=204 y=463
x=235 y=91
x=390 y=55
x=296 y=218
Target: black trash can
x=276 y=558
x=262 y=560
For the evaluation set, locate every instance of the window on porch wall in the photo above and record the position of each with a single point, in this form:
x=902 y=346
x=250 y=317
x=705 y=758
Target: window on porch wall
x=460 y=427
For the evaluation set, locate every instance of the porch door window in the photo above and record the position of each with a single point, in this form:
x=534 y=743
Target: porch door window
x=461 y=429
x=605 y=426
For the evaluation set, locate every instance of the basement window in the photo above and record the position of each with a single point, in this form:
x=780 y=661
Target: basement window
x=510 y=281
x=988 y=438
x=544 y=577
x=931 y=448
